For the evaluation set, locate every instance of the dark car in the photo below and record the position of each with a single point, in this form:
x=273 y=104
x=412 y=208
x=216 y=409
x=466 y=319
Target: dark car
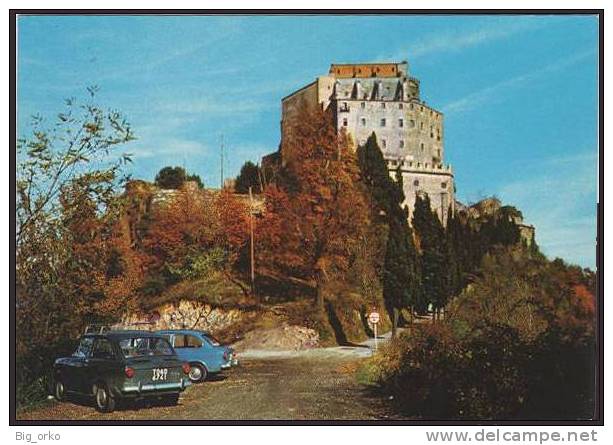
x=205 y=355
x=117 y=365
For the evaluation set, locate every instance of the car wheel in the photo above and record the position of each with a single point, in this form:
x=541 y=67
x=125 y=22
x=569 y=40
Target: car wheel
x=105 y=402
x=59 y=391
x=197 y=373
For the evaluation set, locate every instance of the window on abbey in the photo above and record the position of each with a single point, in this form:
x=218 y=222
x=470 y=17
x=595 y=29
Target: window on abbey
x=363 y=121
x=382 y=104
x=416 y=183
x=344 y=122
x=383 y=143
x=400 y=123
x=412 y=123
x=363 y=105
x=401 y=143
x=383 y=122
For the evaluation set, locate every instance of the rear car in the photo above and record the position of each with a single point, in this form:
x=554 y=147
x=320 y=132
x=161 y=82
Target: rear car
x=121 y=365
x=205 y=355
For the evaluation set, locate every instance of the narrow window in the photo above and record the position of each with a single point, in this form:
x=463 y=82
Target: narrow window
x=400 y=106
x=344 y=122
x=416 y=183
x=363 y=105
x=383 y=143
x=422 y=146
x=383 y=122
x=412 y=123
x=382 y=104
x=411 y=106
x=401 y=143
x=363 y=121
x=421 y=125
x=401 y=123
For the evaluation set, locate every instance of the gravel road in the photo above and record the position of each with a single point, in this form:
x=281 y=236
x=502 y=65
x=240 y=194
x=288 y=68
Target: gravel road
x=318 y=384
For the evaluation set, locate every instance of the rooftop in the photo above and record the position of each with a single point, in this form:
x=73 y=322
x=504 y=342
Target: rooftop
x=382 y=69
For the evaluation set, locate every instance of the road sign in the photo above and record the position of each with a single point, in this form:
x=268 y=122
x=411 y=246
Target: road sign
x=373 y=318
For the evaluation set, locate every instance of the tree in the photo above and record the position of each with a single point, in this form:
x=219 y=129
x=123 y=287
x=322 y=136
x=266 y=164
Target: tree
x=316 y=214
x=193 y=234
x=433 y=252
x=400 y=277
x=68 y=177
x=249 y=176
x=170 y=177
x=195 y=178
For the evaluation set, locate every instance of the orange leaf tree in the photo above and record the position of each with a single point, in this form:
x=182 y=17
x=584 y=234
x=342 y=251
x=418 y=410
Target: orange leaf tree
x=316 y=213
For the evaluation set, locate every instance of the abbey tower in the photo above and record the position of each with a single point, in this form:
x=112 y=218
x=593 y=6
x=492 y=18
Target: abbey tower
x=384 y=98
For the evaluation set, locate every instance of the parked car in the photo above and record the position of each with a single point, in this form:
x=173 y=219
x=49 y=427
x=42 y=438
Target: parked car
x=117 y=365
x=205 y=355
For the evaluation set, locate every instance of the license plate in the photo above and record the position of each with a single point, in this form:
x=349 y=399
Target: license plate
x=159 y=374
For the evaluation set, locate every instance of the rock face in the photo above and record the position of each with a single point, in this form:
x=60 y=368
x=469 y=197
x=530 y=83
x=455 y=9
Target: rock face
x=282 y=338
x=186 y=315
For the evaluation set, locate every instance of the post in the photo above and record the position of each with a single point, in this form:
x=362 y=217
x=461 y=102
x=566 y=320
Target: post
x=251 y=247
x=376 y=336
x=221 y=164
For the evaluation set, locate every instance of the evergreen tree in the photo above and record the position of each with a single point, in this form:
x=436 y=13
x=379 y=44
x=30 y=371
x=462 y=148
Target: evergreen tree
x=170 y=177
x=400 y=277
x=249 y=176
x=434 y=254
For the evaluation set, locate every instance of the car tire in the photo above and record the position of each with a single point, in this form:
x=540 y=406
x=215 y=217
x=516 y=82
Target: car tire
x=105 y=402
x=59 y=391
x=197 y=373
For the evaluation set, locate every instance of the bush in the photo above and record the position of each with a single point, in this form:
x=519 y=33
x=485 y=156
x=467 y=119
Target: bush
x=484 y=362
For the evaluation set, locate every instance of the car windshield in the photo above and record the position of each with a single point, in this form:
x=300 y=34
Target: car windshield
x=144 y=346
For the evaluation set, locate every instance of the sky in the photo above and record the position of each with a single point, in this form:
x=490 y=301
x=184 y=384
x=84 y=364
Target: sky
x=519 y=95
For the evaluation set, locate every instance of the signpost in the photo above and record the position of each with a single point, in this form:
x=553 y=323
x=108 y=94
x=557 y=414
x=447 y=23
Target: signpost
x=373 y=318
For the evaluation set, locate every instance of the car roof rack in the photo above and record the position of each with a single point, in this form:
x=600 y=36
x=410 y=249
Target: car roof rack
x=101 y=328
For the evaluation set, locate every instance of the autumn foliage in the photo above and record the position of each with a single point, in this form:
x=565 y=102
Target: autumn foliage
x=316 y=213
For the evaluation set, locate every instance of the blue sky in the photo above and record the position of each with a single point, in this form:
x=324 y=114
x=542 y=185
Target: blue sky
x=519 y=94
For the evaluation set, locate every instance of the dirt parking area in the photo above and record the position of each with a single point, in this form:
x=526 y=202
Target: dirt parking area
x=304 y=387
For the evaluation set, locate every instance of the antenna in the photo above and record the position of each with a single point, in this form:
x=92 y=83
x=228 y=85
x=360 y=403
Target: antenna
x=221 y=167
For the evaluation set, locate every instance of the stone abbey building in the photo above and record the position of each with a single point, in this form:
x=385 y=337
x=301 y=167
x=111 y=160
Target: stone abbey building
x=383 y=98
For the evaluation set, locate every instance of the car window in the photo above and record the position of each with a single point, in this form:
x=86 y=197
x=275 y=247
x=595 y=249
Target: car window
x=187 y=341
x=192 y=341
x=84 y=348
x=102 y=349
x=145 y=346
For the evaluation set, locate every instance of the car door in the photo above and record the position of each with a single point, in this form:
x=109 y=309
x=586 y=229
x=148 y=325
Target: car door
x=202 y=351
x=74 y=370
x=100 y=365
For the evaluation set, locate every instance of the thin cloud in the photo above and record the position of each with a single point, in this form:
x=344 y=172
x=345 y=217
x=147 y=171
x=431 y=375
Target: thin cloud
x=560 y=203
x=485 y=95
x=457 y=40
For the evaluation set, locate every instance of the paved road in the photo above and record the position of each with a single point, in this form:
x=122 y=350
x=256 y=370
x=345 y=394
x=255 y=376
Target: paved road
x=318 y=384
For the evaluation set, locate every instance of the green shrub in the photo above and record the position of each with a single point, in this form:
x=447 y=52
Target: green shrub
x=518 y=345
